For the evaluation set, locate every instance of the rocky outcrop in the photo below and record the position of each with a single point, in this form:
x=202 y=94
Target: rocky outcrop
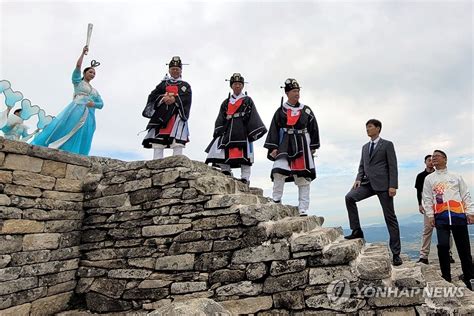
x=143 y=235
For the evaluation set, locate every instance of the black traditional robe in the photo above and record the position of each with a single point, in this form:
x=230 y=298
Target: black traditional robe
x=169 y=122
x=237 y=125
x=294 y=137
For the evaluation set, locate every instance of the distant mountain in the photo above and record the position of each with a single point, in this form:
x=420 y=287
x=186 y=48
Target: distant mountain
x=411 y=229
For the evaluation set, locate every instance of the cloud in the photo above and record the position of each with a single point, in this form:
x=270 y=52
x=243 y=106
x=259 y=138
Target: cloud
x=408 y=64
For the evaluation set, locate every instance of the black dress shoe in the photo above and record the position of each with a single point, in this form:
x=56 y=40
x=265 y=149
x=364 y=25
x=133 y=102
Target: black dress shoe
x=227 y=173
x=245 y=181
x=278 y=202
x=423 y=260
x=356 y=233
x=396 y=260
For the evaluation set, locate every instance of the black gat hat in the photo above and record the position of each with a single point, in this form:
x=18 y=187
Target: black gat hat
x=291 y=84
x=175 y=62
x=237 y=77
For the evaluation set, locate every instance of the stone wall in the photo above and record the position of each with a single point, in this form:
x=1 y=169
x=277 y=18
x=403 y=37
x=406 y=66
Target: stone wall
x=122 y=236
x=156 y=231
x=174 y=229
x=40 y=226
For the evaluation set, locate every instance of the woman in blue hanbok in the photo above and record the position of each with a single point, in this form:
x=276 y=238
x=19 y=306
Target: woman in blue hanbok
x=72 y=130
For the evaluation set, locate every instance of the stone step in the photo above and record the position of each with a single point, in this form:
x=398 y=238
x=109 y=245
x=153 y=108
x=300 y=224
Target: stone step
x=253 y=214
x=313 y=242
x=218 y=184
x=256 y=191
x=460 y=304
x=215 y=182
x=432 y=272
x=408 y=275
x=341 y=251
x=447 y=299
x=374 y=262
x=287 y=226
x=227 y=200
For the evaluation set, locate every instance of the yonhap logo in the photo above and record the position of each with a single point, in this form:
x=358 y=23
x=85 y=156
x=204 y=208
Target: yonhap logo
x=339 y=291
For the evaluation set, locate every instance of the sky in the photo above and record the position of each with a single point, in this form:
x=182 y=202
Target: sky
x=407 y=63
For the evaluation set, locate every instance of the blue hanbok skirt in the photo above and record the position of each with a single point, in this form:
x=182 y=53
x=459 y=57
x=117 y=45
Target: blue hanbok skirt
x=72 y=130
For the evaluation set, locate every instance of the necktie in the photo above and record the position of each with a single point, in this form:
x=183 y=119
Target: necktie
x=371 y=149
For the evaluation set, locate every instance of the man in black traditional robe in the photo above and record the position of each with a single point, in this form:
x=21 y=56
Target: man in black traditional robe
x=237 y=126
x=168 y=109
x=291 y=142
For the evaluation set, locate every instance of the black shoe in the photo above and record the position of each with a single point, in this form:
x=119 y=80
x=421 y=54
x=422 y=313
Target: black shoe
x=303 y=212
x=396 y=260
x=227 y=173
x=447 y=278
x=245 y=181
x=451 y=259
x=356 y=233
x=423 y=260
x=278 y=202
x=470 y=284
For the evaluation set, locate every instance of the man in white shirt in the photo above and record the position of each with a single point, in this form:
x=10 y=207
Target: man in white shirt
x=449 y=207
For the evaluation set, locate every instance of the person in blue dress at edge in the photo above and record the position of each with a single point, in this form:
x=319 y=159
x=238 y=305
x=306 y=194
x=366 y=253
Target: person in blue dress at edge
x=72 y=130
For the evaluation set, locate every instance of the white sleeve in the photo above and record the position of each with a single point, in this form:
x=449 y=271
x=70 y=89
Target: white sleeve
x=427 y=197
x=466 y=197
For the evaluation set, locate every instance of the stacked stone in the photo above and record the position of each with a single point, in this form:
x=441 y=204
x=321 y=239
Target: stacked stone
x=157 y=230
x=40 y=221
x=173 y=230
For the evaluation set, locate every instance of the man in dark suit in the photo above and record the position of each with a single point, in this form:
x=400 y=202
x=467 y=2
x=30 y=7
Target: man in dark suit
x=377 y=175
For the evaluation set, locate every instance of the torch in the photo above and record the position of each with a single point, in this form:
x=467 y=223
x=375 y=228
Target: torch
x=89 y=34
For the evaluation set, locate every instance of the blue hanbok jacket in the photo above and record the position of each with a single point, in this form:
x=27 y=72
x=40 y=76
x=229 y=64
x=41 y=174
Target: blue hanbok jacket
x=72 y=130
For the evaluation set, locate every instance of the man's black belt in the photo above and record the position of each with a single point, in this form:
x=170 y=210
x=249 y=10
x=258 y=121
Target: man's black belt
x=291 y=131
x=240 y=114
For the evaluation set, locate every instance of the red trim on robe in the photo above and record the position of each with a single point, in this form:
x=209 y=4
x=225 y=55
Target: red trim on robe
x=169 y=127
x=290 y=119
x=172 y=89
x=298 y=163
x=232 y=108
x=235 y=153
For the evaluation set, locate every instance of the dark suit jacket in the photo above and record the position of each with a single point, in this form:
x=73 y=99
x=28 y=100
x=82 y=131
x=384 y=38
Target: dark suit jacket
x=380 y=169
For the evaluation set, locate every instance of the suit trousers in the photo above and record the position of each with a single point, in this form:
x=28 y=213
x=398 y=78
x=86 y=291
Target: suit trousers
x=386 y=201
x=463 y=246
